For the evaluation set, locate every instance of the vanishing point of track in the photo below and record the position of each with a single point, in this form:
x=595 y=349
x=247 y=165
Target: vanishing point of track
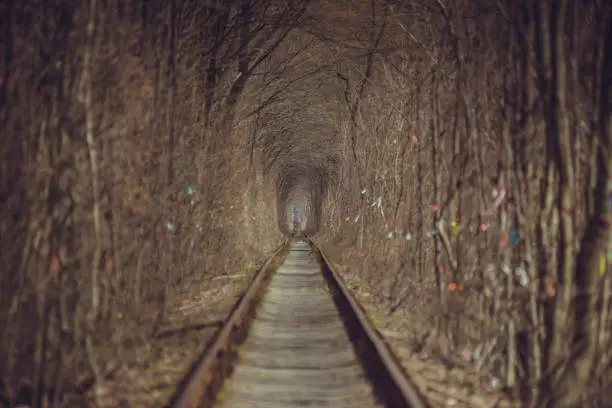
x=297 y=338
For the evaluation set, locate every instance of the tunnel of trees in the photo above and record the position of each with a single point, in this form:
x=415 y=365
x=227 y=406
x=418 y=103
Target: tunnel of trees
x=457 y=150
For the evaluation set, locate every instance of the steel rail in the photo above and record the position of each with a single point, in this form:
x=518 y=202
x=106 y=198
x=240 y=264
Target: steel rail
x=201 y=384
x=381 y=365
x=297 y=337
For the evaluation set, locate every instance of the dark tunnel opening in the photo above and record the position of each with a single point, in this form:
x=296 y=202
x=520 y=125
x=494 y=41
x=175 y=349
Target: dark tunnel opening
x=300 y=191
x=300 y=158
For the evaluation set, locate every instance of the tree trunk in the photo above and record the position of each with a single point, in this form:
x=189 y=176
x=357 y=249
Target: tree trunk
x=93 y=156
x=593 y=249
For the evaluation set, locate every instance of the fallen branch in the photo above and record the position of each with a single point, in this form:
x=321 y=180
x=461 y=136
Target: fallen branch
x=184 y=330
x=236 y=276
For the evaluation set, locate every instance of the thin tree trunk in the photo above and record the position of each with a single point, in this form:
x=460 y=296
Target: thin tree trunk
x=172 y=88
x=558 y=130
x=435 y=129
x=93 y=156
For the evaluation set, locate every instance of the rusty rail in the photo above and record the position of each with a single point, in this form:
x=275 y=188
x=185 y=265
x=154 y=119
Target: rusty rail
x=297 y=336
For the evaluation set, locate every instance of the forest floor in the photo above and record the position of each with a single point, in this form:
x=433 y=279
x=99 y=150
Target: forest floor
x=152 y=368
x=149 y=375
x=445 y=380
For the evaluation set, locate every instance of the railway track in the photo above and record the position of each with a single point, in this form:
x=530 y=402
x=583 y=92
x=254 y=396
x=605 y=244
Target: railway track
x=297 y=338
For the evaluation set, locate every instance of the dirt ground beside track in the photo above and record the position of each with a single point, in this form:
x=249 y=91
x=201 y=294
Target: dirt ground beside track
x=445 y=381
x=151 y=370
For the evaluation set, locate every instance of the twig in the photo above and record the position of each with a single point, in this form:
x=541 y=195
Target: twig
x=446 y=244
x=239 y=275
x=98 y=376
